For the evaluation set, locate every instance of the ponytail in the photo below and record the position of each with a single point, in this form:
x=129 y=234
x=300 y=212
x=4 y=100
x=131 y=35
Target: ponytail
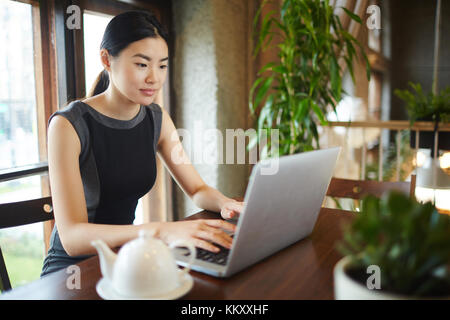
x=100 y=85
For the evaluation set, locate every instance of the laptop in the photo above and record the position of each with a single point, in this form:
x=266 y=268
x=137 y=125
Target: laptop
x=282 y=202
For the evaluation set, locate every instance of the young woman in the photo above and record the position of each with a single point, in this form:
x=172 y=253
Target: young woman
x=102 y=153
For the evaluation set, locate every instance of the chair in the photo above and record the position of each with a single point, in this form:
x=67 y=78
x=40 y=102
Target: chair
x=21 y=213
x=358 y=189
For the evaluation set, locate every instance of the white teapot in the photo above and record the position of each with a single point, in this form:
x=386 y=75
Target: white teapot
x=144 y=267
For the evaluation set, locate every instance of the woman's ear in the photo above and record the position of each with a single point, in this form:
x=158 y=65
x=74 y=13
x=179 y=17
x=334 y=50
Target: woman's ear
x=105 y=59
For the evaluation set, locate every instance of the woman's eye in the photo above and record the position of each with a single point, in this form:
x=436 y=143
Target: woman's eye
x=142 y=65
x=163 y=67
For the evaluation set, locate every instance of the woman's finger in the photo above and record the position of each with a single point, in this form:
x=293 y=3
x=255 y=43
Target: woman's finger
x=225 y=214
x=220 y=238
x=218 y=223
x=205 y=245
x=232 y=209
x=228 y=214
x=236 y=206
x=216 y=232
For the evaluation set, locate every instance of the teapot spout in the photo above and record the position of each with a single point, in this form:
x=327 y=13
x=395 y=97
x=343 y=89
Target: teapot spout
x=107 y=258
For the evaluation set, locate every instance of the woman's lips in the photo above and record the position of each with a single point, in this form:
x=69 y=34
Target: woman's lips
x=148 y=92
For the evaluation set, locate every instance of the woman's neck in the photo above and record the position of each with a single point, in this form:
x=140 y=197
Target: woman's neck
x=115 y=105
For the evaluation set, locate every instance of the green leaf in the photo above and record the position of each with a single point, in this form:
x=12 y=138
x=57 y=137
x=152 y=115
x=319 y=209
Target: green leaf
x=348 y=36
x=313 y=85
x=314 y=60
x=255 y=84
x=302 y=109
x=352 y=15
x=280 y=69
x=266 y=67
x=315 y=133
x=266 y=113
x=253 y=140
x=284 y=8
x=350 y=68
x=262 y=90
x=319 y=113
x=281 y=27
x=335 y=78
x=265 y=28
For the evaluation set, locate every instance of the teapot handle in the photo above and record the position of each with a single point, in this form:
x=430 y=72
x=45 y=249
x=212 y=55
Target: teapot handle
x=192 y=251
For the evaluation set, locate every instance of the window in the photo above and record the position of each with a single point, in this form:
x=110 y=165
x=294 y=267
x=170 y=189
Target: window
x=94 y=25
x=20 y=135
x=18 y=121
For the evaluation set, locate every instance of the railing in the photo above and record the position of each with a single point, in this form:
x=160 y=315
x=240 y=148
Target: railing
x=383 y=126
x=24 y=171
x=397 y=125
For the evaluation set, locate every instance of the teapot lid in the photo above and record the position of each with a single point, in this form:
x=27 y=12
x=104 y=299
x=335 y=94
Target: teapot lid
x=143 y=243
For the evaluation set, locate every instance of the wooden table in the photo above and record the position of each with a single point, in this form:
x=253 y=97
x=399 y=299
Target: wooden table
x=303 y=270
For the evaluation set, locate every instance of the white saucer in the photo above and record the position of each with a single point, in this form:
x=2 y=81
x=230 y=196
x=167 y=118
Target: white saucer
x=106 y=291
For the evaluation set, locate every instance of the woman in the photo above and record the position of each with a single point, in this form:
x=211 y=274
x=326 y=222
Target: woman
x=101 y=153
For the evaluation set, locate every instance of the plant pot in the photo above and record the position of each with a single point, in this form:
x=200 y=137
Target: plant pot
x=346 y=288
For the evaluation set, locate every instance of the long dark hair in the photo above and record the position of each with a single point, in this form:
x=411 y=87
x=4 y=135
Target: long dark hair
x=122 y=30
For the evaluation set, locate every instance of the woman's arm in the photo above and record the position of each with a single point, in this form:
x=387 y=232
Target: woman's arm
x=211 y=199
x=182 y=170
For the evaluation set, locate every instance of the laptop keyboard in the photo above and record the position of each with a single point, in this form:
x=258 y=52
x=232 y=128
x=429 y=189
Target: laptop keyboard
x=220 y=257
x=214 y=257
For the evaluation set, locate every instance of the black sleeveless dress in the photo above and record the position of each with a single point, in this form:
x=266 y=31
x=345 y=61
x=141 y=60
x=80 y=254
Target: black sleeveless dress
x=117 y=166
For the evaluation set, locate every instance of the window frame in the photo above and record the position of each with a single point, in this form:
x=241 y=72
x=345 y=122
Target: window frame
x=44 y=72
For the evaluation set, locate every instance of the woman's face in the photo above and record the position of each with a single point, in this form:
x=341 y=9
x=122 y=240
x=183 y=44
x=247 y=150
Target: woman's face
x=139 y=71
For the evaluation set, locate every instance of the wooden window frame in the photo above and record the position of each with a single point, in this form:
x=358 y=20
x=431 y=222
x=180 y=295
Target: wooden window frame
x=46 y=96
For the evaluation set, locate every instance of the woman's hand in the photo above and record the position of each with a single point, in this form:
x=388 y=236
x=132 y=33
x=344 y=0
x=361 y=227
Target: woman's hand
x=200 y=232
x=231 y=209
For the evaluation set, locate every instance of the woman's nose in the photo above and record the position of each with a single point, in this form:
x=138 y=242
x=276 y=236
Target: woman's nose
x=151 y=76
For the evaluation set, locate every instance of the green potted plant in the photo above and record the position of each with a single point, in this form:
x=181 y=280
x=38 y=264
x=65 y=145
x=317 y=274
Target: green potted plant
x=433 y=106
x=293 y=93
x=396 y=248
x=429 y=106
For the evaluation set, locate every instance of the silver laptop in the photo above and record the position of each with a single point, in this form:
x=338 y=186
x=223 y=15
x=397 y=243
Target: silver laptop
x=282 y=202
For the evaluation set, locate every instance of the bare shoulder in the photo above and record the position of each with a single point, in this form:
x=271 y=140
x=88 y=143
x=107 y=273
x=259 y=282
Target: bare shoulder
x=165 y=114
x=60 y=125
x=166 y=118
x=61 y=133
x=167 y=127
